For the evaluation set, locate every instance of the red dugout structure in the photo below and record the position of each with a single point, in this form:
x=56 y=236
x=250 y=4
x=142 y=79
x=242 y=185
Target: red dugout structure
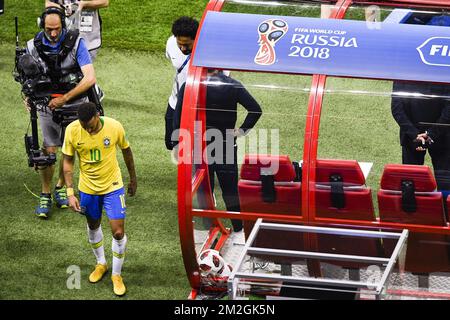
x=345 y=201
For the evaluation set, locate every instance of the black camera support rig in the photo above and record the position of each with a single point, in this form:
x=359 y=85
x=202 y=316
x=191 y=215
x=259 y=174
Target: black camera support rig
x=38 y=88
x=30 y=77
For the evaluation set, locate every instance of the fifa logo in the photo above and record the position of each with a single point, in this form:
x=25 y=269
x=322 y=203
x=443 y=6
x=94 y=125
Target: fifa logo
x=270 y=31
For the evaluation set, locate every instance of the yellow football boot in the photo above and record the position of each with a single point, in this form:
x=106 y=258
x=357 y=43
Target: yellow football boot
x=97 y=274
x=118 y=285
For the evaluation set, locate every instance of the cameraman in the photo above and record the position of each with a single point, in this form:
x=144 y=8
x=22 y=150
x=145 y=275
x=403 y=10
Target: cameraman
x=62 y=55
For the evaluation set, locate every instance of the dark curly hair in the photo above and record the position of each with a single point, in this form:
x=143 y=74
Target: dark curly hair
x=86 y=111
x=185 y=27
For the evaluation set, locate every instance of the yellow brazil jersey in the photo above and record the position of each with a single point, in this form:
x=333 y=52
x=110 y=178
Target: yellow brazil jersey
x=99 y=169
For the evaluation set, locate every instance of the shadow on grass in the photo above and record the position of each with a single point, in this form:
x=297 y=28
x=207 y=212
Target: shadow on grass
x=31 y=247
x=140 y=275
x=113 y=104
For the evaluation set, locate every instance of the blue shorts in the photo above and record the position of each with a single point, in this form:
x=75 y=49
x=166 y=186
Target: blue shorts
x=113 y=202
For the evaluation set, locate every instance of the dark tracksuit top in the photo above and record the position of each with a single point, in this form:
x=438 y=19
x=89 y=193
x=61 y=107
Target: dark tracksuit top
x=222 y=97
x=412 y=112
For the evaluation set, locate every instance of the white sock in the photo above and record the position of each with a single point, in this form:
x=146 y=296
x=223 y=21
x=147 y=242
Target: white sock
x=96 y=240
x=118 y=249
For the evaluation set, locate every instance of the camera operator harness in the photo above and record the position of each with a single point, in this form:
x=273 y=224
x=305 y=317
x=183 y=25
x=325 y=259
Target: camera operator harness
x=45 y=75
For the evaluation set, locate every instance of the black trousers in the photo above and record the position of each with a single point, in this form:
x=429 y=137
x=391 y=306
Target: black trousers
x=227 y=175
x=440 y=158
x=169 y=127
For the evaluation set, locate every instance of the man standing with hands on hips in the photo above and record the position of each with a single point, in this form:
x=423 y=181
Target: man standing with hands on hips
x=94 y=139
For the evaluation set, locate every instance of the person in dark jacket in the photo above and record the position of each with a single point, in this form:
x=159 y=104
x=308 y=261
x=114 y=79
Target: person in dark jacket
x=223 y=94
x=422 y=110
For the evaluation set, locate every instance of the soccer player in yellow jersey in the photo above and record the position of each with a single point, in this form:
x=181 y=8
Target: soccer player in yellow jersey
x=94 y=139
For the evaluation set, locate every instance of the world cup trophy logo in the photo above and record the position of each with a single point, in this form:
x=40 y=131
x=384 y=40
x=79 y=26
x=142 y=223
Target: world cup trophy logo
x=270 y=32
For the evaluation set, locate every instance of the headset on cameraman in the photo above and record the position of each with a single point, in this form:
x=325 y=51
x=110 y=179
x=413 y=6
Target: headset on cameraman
x=53 y=10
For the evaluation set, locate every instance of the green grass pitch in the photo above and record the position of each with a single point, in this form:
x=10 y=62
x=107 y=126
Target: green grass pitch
x=137 y=79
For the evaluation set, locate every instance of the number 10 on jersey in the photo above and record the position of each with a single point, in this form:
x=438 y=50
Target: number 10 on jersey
x=95 y=155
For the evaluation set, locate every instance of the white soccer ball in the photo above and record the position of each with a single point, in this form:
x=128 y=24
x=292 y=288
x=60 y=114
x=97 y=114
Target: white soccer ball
x=210 y=262
x=221 y=277
x=225 y=272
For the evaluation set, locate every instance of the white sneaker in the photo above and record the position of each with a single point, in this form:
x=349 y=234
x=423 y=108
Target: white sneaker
x=238 y=238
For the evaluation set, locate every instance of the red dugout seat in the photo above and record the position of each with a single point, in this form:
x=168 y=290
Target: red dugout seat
x=408 y=195
x=341 y=192
x=270 y=184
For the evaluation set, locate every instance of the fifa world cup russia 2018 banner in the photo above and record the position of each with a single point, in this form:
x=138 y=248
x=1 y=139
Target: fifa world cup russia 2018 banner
x=324 y=46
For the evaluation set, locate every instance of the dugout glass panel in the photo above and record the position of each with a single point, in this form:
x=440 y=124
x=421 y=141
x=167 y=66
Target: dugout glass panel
x=372 y=121
x=370 y=126
x=356 y=124
x=301 y=8
x=377 y=15
x=279 y=131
